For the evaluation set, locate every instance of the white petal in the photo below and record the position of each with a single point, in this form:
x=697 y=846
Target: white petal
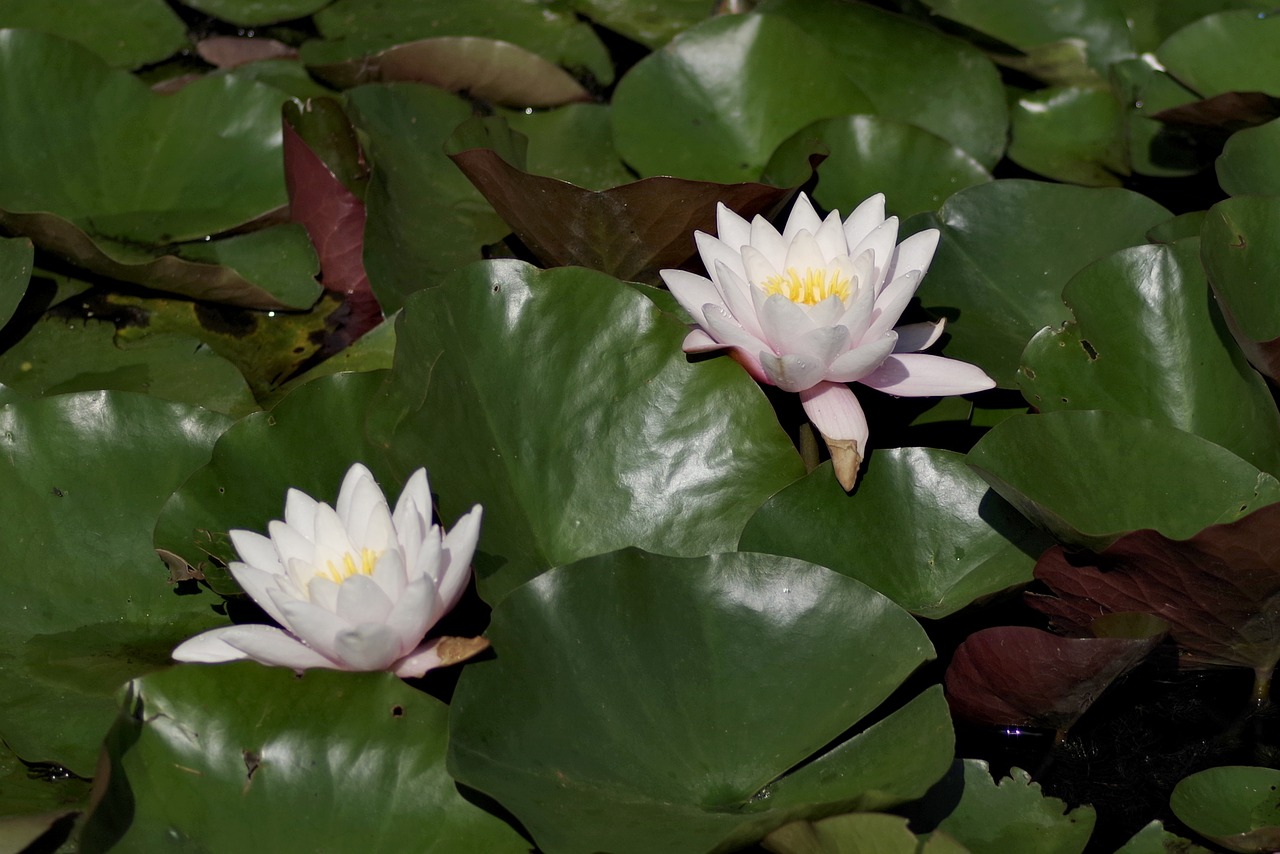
x=713 y=251
x=363 y=513
x=357 y=479
x=300 y=510
x=698 y=341
x=828 y=312
x=766 y=240
x=390 y=572
x=881 y=242
x=455 y=570
x=291 y=544
x=804 y=253
x=920 y=375
x=257 y=551
x=862 y=360
x=759 y=267
x=830 y=237
x=864 y=219
x=256 y=582
x=413 y=508
x=914 y=253
x=264 y=644
x=731 y=228
x=361 y=600
x=834 y=410
x=415 y=664
x=692 y=292
x=890 y=304
x=331 y=535
x=368 y=647
x=918 y=336
x=415 y=613
x=322 y=592
x=785 y=324
x=803 y=218
x=726 y=330
x=737 y=298
x=311 y=624
x=792 y=372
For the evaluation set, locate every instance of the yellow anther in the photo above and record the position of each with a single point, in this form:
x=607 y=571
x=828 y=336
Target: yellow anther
x=810 y=287
x=339 y=574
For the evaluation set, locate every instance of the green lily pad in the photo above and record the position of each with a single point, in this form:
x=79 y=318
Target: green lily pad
x=1088 y=477
x=853 y=833
x=86 y=476
x=652 y=23
x=898 y=63
x=355 y=28
x=573 y=143
x=1071 y=133
x=680 y=748
x=237 y=756
x=16 y=257
x=253 y=13
x=1007 y=250
x=26 y=791
x=60 y=356
x=714 y=103
x=125 y=33
x=578 y=373
x=1154 y=839
x=210 y=154
x=373 y=351
x=1153 y=21
x=1180 y=227
x=1147 y=340
x=1013 y=815
x=916 y=170
x=425 y=219
x=1250 y=164
x=1097 y=25
x=1232 y=51
x=922 y=528
x=1236 y=806
x=1156 y=147
x=1240 y=254
x=259 y=458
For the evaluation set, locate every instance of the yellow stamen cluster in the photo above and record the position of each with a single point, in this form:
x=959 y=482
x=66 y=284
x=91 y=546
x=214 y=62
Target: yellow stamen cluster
x=810 y=287
x=338 y=574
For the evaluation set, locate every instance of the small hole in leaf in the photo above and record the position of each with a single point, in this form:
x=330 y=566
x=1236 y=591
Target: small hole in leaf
x=1089 y=351
x=397 y=711
x=1028 y=373
x=222 y=490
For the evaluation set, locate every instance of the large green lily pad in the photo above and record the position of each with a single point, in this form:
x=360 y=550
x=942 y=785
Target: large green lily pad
x=1007 y=250
x=652 y=22
x=1071 y=133
x=923 y=528
x=1231 y=51
x=237 y=756
x=1090 y=476
x=714 y=103
x=508 y=377
x=618 y=715
x=1240 y=254
x=1148 y=340
x=87 y=605
x=125 y=33
x=1250 y=164
x=253 y=13
x=1237 y=806
x=16 y=256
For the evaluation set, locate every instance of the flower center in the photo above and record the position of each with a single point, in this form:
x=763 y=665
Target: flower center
x=809 y=287
x=361 y=564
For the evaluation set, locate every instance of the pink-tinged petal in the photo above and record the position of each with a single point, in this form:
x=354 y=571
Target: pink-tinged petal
x=921 y=375
x=785 y=324
x=257 y=551
x=835 y=412
x=766 y=240
x=698 y=341
x=731 y=228
x=417 y=663
x=713 y=251
x=760 y=268
x=830 y=237
x=750 y=362
x=692 y=292
x=361 y=600
x=918 y=336
x=802 y=218
x=890 y=304
x=264 y=644
x=914 y=253
x=256 y=582
x=857 y=363
x=371 y=646
x=804 y=253
x=864 y=219
x=792 y=372
x=725 y=329
x=881 y=242
x=737 y=298
x=300 y=510
x=313 y=625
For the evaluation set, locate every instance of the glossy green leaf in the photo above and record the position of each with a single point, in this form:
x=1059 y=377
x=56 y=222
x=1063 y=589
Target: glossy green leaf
x=87 y=605
x=355 y=28
x=1153 y=21
x=1154 y=839
x=373 y=351
x=253 y=13
x=1180 y=227
x=618 y=715
x=125 y=33
x=916 y=170
x=714 y=103
x=60 y=356
x=239 y=756
x=1156 y=147
x=857 y=833
x=1098 y=24
x=28 y=790
x=1088 y=477
x=1250 y=162
x=1232 y=51
x=1071 y=133
x=573 y=143
x=651 y=22
x=1240 y=254
x=1013 y=815
x=279 y=259
x=1007 y=250
x=923 y=528
x=259 y=458
x=577 y=373
x=425 y=219
x=1148 y=340
x=1236 y=806
x=16 y=256
x=898 y=63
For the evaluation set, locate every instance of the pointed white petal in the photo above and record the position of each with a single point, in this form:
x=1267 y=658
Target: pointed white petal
x=737 y=298
x=713 y=251
x=921 y=375
x=759 y=267
x=890 y=304
x=803 y=218
x=834 y=410
x=881 y=241
x=855 y=364
x=692 y=292
x=300 y=510
x=367 y=647
x=804 y=254
x=731 y=228
x=264 y=644
x=361 y=600
x=257 y=551
x=255 y=583
x=766 y=240
x=791 y=372
x=914 y=253
x=864 y=219
x=918 y=336
x=830 y=236
x=313 y=625
x=698 y=341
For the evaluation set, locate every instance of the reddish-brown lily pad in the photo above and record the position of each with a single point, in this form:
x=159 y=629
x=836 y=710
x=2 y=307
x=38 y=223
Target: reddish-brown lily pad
x=1022 y=676
x=1219 y=590
x=630 y=232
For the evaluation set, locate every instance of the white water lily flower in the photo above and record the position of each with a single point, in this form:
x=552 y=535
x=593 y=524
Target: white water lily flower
x=355 y=588
x=815 y=307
